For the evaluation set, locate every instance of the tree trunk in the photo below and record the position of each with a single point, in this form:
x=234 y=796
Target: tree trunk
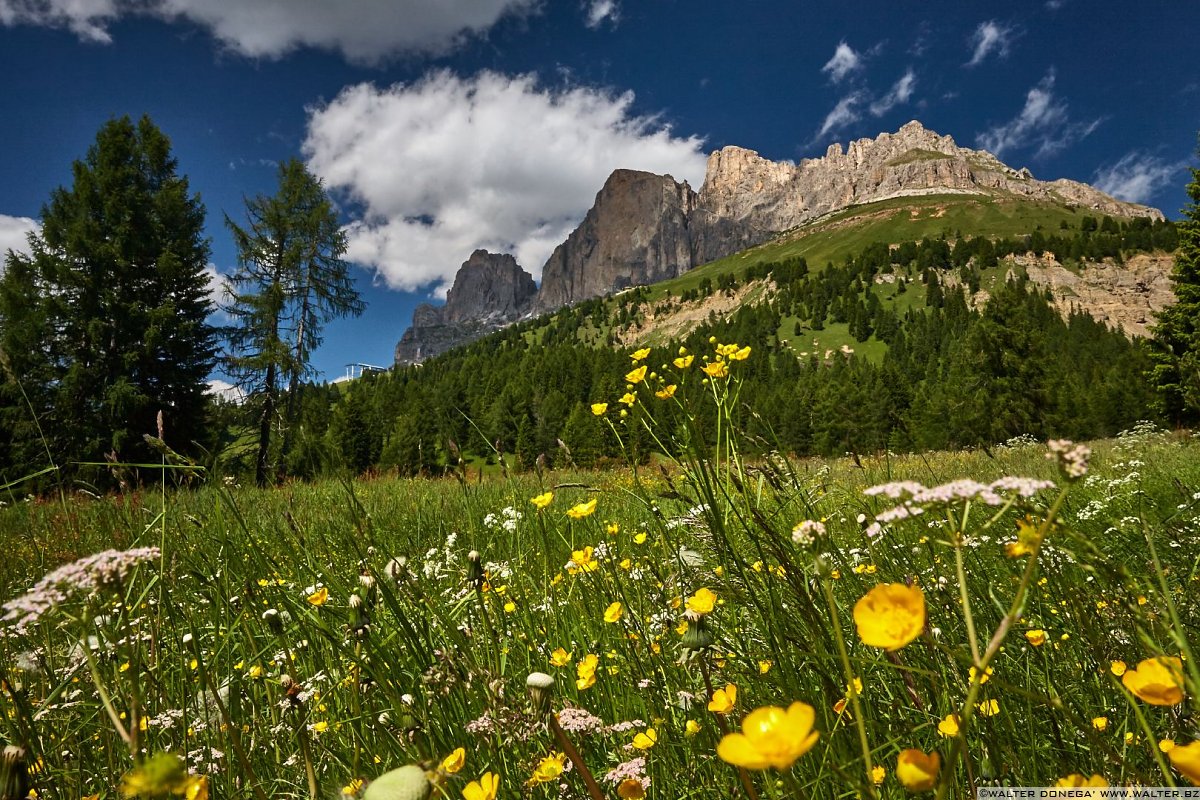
x=264 y=429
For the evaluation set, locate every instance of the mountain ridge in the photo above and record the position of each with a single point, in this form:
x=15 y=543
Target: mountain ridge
x=644 y=228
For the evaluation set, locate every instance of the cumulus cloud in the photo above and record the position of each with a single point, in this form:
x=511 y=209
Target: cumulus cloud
x=843 y=63
x=600 y=10
x=900 y=92
x=366 y=31
x=446 y=165
x=1043 y=123
x=846 y=112
x=1137 y=176
x=990 y=37
x=13 y=235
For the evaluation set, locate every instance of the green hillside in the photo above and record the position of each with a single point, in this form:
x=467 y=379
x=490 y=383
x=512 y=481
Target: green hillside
x=893 y=221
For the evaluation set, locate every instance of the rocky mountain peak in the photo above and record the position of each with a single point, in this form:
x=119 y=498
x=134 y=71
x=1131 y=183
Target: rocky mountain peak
x=488 y=285
x=490 y=290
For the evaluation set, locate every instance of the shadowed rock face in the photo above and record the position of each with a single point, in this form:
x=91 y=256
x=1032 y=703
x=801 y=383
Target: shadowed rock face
x=489 y=291
x=636 y=232
x=645 y=228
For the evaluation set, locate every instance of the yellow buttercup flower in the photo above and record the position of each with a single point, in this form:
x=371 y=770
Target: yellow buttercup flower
x=585 y=672
x=582 y=510
x=454 y=762
x=740 y=355
x=542 y=500
x=599 y=408
x=1037 y=638
x=948 y=727
x=353 y=787
x=631 y=789
x=636 y=376
x=890 y=616
x=639 y=538
x=319 y=597
x=989 y=708
x=548 y=769
x=614 y=612
x=918 y=771
x=723 y=700
x=482 y=789
x=726 y=350
x=629 y=398
x=764 y=666
x=1077 y=781
x=1100 y=723
x=1186 y=760
x=196 y=788
x=1118 y=668
x=878 y=774
x=770 y=737
x=691 y=728
x=983 y=678
x=644 y=741
x=683 y=362
x=716 y=369
x=666 y=392
x=640 y=355
x=702 y=602
x=1158 y=681
x=583 y=561
x=560 y=657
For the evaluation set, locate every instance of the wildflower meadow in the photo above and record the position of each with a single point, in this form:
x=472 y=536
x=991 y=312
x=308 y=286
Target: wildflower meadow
x=707 y=625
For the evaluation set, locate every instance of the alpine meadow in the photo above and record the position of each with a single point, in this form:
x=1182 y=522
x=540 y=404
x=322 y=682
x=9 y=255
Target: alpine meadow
x=661 y=467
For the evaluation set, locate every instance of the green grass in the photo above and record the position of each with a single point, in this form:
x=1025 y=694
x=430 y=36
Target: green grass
x=427 y=654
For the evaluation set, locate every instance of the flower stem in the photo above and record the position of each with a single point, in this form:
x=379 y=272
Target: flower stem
x=848 y=670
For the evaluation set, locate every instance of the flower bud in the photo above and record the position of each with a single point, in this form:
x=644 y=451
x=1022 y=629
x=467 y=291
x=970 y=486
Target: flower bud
x=697 y=636
x=406 y=783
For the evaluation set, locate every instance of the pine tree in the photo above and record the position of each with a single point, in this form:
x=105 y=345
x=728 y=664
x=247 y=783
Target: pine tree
x=105 y=322
x=291 y=280
x=1176 y=370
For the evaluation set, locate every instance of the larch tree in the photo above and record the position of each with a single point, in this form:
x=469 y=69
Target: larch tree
x=290 y=281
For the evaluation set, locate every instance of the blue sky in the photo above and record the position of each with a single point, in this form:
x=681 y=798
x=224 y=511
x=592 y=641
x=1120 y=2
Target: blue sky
x=444 y=125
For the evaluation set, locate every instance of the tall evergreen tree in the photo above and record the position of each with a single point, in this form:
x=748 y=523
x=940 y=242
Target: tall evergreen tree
x=291 y=280
x=1176 y=370
x=105 y=322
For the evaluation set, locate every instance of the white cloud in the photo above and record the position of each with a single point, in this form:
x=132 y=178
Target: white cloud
x=1043 y=123
x=1137 y=176
x=600 y=10
x=446 y=165
x=844 y=113
x=844 y=62
x=364 y=30
x=900 y=92
x=13 y=233
x=990 y=37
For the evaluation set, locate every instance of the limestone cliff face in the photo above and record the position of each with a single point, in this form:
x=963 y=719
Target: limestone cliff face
x=490 y=290
x=635 y=233
x=1125 y=296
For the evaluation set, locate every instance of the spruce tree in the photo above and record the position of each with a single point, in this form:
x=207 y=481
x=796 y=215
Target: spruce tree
x=1176 y=370
x=105 y=322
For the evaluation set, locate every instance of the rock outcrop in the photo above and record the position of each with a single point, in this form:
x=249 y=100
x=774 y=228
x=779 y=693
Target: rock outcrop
x=743 y=186
x=490 y=290
x=635 y=233
x=1125 y=296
